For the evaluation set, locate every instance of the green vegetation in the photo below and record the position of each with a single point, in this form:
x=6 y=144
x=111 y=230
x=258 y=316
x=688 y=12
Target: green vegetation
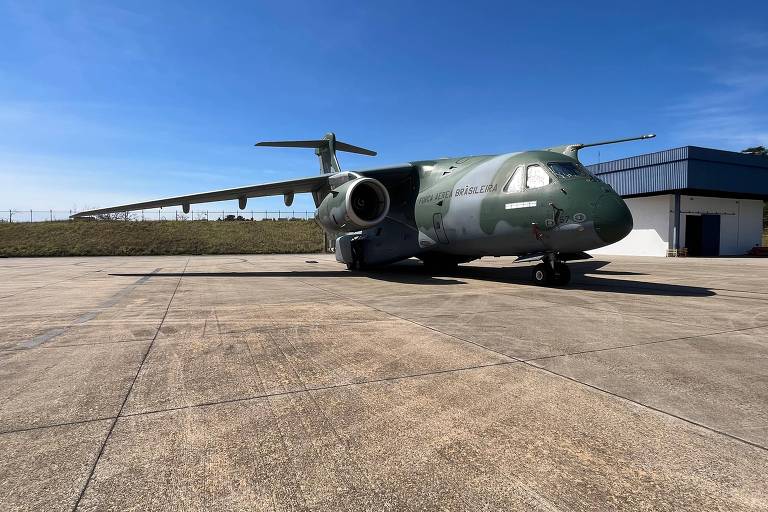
x=756 y=150
x=121 y=238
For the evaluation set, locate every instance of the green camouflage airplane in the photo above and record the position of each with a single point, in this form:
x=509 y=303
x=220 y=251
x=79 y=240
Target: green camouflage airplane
x=538 y=205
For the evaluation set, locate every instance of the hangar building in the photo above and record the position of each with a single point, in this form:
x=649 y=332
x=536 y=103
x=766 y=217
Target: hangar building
x=706 y=201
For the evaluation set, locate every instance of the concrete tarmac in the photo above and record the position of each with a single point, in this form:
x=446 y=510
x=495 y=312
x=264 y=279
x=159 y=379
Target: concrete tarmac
x=289 y=383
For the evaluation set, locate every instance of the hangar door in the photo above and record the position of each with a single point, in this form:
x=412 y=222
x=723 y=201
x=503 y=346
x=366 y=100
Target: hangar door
x=702 y=235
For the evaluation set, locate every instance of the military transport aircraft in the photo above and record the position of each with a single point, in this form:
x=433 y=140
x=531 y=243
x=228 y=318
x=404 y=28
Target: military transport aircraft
x=538 y=205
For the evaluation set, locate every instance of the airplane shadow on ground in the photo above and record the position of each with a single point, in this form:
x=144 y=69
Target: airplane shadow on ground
x=413 y=272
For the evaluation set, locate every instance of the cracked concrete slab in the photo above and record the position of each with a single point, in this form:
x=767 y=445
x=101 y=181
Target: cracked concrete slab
x=41 y=387
x=45 y=469
x=508 y=438
x=275 y=383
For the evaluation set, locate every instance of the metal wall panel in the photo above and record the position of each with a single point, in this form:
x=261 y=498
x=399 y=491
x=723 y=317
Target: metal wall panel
x=688 y=167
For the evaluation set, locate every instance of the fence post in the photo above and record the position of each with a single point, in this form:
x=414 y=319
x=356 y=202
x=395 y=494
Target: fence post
x=10 y=216
x=30 y=215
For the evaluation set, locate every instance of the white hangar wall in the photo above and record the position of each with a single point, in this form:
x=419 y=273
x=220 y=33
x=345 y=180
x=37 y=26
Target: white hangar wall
x=651 y=232
x=741 y=224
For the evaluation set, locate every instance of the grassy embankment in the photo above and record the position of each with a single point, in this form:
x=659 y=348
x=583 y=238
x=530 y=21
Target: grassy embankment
x=120 y=238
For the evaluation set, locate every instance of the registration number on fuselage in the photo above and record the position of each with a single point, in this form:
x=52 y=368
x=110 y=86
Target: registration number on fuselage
x=522 y=204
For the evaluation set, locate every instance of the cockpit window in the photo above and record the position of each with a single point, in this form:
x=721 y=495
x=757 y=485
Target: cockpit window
x=537 y=177
x=568 y=169
x=515 y=183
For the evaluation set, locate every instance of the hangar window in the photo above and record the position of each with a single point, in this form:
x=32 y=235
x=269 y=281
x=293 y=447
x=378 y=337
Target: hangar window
x=515 y=183
x=537 y=177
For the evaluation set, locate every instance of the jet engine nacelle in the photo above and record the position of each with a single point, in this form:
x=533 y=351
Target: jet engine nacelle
x=353 y=206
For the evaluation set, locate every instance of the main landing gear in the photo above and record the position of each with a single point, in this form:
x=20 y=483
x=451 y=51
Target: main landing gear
x=357 y=263
x=551 y=272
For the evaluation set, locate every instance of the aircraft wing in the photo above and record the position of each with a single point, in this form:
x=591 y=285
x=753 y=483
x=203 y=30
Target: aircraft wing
x=280 y=188
x=287 y=188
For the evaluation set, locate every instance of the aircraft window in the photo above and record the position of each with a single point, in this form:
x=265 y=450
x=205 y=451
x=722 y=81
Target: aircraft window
x=537 y=177
x=567 y=169
x=515 y=183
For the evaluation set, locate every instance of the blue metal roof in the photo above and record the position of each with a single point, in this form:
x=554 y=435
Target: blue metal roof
x=688 y=169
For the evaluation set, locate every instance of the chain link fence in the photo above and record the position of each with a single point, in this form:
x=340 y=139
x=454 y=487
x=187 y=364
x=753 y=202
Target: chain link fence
x=11 y=215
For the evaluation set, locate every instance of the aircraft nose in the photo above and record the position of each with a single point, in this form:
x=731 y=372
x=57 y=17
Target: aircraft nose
x=613 y=220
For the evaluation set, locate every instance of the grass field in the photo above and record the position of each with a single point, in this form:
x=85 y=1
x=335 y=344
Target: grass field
x=120 y=238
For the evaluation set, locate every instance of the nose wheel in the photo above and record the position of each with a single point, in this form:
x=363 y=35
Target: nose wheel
x=546 y=274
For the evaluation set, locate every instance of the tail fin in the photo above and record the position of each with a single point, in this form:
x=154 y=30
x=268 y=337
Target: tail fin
x=325 y=149
x=572 y=150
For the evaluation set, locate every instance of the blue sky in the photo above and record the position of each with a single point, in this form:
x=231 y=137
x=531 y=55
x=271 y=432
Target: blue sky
x=109 y=103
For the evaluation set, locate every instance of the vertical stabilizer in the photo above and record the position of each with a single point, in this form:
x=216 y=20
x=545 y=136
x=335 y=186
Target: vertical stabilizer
x=326 y=153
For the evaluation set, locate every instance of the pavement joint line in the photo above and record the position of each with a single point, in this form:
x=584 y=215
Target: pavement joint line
x=643 y=317
x=49 y=284
x=740 y=291
x=413 y=322
x=321 y=388
x=531 y=364
x=49 y=347
x=128 y=393
x=55 y=425
x=644 y=343
x=57 y=282
x=651 y=407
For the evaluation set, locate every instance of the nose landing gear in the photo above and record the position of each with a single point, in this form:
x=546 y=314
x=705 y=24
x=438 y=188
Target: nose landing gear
x=552 y=272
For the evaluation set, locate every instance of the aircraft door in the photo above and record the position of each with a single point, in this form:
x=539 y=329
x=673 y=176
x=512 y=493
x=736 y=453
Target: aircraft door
x=437 y=222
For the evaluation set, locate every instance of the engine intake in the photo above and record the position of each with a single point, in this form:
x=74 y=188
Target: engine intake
x=353 y=206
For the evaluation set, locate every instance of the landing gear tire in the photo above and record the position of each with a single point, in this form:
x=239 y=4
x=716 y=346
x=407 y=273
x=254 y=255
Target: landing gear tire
x=440 y=265
x=562 y=274
x=356 y=264
x=544 y=275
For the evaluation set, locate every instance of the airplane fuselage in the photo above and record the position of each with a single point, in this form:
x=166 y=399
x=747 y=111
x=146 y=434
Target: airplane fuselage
x=510 y=204
x=537 y=204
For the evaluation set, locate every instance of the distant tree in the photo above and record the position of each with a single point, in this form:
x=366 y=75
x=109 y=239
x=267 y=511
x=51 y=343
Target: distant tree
x=757 y=150
x=762 y=151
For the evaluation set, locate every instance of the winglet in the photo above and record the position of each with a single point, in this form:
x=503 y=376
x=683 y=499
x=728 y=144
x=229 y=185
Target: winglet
x=572 y=150
x=325 y=149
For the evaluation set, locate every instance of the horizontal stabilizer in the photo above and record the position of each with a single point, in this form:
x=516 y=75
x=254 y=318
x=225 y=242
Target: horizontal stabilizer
x=325 y=149
x=316 y=144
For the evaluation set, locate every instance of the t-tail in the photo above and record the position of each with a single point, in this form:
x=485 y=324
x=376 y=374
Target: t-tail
x=325 y=149
x=572 y=150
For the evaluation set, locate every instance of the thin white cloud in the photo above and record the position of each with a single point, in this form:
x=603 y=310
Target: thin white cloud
x=731 y=113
